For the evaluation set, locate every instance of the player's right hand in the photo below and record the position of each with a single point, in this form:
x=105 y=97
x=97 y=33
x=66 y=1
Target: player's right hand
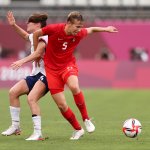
x=16 y=65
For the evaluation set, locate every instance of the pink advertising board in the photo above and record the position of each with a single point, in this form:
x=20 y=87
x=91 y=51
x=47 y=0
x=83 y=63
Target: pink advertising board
x=8 y=77
x=92 y=74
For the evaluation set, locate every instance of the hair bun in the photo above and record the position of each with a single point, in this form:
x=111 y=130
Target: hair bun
x=43 y=17
x=38 y=18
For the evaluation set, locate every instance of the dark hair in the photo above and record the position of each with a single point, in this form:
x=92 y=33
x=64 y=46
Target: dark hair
x=38 y=18
x=75 y=15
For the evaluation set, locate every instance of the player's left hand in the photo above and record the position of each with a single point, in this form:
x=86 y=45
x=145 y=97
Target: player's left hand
x=10 y=18
x=111 y=29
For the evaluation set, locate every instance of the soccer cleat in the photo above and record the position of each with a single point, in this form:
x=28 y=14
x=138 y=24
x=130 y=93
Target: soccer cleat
x=77 y=134
x=35 y=137
x=12 y=130
x=89 y=126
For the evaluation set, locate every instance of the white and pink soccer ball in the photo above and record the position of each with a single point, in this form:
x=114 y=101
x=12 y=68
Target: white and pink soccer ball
x=132 y=128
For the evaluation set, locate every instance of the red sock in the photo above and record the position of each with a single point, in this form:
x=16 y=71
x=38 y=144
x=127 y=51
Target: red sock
x=79 y=100
x=69 y=115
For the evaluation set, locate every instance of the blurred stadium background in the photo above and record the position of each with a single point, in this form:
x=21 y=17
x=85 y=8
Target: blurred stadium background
x=105 y=60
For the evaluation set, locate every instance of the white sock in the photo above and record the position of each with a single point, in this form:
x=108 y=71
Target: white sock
x=15 y=115
x=37 y=124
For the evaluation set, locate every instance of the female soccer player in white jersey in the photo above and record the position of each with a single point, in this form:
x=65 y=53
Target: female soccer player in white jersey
x=35 y=85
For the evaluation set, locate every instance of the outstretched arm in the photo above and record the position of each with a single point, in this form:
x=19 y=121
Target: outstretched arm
x=19 y=30
x=37 y=54
x=111 y=29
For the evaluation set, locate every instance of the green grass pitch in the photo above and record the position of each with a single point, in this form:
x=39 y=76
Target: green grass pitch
x=109 y=108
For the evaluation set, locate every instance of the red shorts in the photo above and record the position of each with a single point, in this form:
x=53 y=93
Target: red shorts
x=57 y=79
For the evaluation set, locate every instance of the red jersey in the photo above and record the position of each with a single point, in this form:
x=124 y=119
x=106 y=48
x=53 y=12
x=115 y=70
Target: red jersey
x=60 y=48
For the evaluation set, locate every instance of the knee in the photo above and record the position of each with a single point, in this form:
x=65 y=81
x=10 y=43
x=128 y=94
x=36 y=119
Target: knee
x=63 y=107
x=75 y=89
x=30 y=99
x=12 y=93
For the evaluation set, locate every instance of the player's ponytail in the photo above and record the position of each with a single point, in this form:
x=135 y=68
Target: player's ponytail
x=43 y=19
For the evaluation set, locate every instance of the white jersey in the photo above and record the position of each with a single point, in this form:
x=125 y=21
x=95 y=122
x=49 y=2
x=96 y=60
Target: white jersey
x=35 y=68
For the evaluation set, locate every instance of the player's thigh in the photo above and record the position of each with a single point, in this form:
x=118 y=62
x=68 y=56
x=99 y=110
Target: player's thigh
x=59 y=99
x=37 y=91
x=20 y=88
x=70 y=76
x=55 y=83
x=72 y=81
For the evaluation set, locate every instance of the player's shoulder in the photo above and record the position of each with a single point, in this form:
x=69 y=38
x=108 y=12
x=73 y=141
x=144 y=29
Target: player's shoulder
x=56 y=25
x=44 y=37
x=41 y=37
x=55 y=28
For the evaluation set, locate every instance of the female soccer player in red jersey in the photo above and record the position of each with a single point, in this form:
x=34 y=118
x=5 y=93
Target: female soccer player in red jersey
x=35 y=85
x=61 y=68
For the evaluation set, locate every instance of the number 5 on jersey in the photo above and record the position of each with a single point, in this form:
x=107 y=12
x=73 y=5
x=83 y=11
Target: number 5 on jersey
x=64 y=46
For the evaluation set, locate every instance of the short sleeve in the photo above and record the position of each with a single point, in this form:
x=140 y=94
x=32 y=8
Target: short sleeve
x=44 y=39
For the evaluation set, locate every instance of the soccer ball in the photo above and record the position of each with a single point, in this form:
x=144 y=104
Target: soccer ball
x=132 y=128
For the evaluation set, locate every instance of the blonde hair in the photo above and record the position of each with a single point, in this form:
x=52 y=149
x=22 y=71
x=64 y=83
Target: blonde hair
x=75 y=15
